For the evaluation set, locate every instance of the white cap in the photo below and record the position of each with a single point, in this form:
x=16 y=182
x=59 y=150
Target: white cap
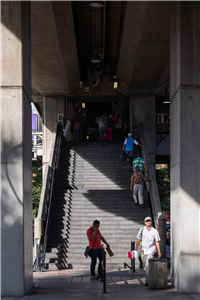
x=129 y=134
x=147 y=219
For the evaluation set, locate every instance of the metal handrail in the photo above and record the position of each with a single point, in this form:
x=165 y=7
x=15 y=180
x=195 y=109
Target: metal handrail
x=152 y=185
x=45 y=206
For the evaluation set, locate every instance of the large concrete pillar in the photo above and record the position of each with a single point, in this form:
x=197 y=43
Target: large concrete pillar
x=16 y=154
x=185 y=137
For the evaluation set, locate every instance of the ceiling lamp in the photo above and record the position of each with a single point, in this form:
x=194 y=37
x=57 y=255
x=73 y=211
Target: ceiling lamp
x=95 y=59
x=96 y=4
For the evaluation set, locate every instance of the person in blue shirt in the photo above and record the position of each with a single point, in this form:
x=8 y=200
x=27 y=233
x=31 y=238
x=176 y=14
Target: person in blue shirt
x=128 y=147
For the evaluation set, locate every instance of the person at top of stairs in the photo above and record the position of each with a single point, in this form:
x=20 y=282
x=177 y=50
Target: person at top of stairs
x=102 y=129
x=128 y=147
x=95 y=237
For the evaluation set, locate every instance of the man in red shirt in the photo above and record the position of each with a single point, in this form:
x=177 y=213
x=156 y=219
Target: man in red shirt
x=95 y=238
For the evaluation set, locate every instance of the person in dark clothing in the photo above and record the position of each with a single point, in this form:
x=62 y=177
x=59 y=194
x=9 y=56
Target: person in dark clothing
x=95 y=238
x=113 y=122
x=84 y=129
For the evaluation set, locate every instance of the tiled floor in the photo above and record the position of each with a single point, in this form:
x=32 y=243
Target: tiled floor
x=76 y=285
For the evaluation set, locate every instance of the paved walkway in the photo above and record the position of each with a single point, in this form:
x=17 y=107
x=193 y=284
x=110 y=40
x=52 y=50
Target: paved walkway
x=76 y=285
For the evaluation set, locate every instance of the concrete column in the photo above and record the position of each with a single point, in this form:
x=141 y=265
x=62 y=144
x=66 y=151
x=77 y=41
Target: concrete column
x=144 y=111
x=16 y=154
x=184 y=140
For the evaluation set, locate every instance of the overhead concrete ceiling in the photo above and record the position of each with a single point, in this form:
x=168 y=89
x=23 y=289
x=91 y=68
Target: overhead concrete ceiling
x=136 y=46
x=144 y=52
x=55 y=69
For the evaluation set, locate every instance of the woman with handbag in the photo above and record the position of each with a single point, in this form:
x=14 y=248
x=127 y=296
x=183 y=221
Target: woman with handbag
x=95 y=238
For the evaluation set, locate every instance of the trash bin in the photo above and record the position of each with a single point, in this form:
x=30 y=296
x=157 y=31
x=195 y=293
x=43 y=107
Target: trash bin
x=157 y=273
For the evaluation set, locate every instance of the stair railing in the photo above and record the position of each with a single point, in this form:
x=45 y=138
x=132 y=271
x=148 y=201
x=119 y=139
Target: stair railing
x=152 y=187
x=42 y=222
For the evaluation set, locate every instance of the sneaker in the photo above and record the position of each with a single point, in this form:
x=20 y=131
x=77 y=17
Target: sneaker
x=98 y=276
x=146 y=284
x=141 y=206
x=102 y=146
x=92 y=277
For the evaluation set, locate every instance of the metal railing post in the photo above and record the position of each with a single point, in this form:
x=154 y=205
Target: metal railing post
x=133 y=260
x=104 y=272
x=162 y=233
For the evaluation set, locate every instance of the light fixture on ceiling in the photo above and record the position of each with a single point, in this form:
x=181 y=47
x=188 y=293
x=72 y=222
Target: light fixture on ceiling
x=96 y=4
x=166 y=102
x=95 y=59
x=115 y=86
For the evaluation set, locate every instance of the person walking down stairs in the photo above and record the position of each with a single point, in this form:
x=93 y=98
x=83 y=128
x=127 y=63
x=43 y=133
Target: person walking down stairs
x=95 y=238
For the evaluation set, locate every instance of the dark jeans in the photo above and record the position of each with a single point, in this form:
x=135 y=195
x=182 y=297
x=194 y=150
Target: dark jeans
x=94 y=254
x=129 y=154
x=119 y=132
x=114 y=134
x=76 y=135
x=102 y=133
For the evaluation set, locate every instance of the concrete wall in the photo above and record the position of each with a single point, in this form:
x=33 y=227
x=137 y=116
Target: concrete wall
x=164 y=147
x=16 y=155
x=52 y=106
x=185 y=137
x=144 y=111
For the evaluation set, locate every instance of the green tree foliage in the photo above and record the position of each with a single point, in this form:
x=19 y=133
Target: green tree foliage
x=36 y=188
x=163 y=183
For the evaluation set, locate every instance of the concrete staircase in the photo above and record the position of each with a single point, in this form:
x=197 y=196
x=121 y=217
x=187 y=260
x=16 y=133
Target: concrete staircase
x=92 y=184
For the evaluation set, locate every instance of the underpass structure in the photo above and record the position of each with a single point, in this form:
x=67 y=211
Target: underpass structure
x=131 y=54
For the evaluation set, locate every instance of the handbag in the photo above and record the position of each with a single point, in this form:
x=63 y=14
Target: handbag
x=87 y=250
x=122 y=155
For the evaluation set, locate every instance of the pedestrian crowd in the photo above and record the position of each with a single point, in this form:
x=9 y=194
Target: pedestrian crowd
x=111 y=128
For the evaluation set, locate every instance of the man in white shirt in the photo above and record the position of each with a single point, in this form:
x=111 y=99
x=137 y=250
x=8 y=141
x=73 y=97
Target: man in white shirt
x=150 y=238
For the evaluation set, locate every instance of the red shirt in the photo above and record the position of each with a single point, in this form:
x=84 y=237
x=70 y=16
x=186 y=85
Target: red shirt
x=97 y=239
